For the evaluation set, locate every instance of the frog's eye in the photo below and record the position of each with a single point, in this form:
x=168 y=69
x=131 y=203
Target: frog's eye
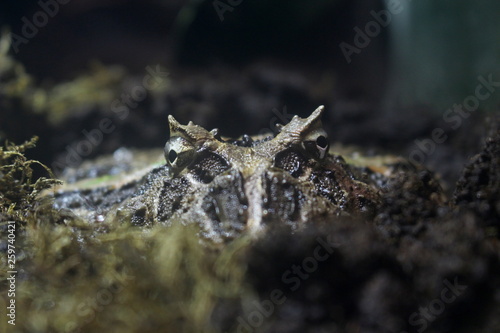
x=316 y=145
x=179 y=153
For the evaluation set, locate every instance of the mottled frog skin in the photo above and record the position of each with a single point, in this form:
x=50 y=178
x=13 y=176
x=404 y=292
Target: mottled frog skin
x=231 y=186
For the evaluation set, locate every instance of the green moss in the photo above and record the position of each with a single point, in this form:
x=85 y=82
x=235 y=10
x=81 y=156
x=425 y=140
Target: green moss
x=97 y=89
x=125 y=279
x=19 y=190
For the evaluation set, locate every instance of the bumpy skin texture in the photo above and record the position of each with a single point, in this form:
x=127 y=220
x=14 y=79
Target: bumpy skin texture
x=228 y=186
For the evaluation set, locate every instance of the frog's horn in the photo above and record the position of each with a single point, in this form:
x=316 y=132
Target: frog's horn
x=315 y=116
x=190 y=131
x=298 y=127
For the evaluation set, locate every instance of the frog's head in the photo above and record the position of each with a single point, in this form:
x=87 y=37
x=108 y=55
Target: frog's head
x=192 y=144
x=180 y=149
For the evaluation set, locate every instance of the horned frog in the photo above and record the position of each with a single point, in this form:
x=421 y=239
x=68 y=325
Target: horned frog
x=234 y=186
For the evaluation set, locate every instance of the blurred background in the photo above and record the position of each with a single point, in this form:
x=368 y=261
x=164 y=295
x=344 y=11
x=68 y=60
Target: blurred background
x=387 y=71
